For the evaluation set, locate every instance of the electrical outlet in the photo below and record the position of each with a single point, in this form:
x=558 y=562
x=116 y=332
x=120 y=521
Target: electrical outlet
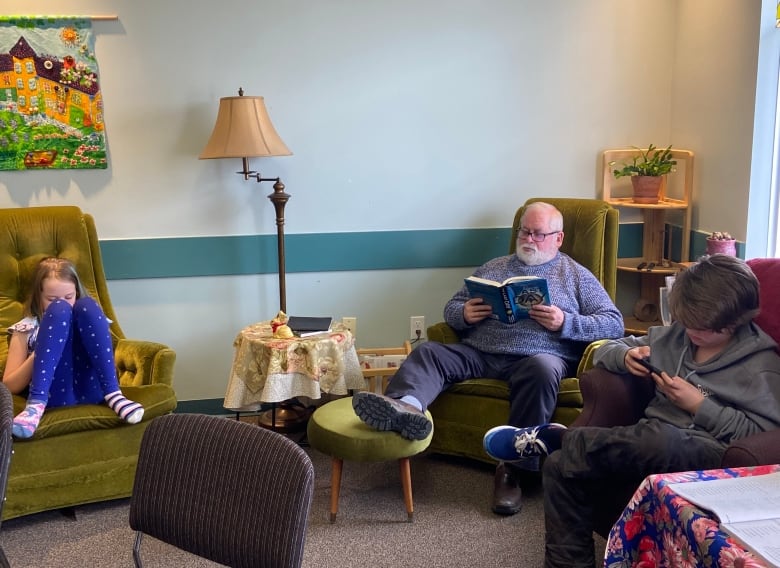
x=417 y=327
x=351 y=324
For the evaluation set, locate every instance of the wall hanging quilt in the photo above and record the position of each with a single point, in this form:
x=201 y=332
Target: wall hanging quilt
x=51 y=107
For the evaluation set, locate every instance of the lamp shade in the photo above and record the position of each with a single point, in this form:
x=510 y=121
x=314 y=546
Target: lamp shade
x=243 y=130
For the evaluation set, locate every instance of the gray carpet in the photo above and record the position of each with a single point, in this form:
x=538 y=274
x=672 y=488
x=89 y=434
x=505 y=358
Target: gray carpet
x=453 y=525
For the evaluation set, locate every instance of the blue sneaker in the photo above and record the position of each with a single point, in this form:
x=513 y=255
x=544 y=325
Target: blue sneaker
x=508 y=443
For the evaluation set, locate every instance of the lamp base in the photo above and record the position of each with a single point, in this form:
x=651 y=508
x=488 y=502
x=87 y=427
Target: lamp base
x=285 y=417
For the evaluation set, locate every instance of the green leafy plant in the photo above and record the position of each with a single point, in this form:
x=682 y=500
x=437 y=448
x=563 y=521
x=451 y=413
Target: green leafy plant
x=651 y=162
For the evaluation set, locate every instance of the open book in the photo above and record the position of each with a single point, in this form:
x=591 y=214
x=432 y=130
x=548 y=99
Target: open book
x=512 y=298
x=748 y=508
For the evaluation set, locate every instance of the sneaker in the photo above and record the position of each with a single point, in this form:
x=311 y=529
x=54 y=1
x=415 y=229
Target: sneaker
x=388 y=414
x=508 y=443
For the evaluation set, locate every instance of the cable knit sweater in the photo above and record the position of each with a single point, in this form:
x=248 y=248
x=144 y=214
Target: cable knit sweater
x=589 y=313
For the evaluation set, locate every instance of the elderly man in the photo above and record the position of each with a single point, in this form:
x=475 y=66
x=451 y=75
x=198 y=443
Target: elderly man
x=532 y=355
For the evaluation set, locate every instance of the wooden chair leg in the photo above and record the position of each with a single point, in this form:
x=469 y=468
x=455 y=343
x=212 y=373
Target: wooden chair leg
x=335 y=486
x=406 y=483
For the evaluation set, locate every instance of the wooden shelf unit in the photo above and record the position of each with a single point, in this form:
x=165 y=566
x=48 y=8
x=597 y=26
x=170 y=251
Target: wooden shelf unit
x=675 y=197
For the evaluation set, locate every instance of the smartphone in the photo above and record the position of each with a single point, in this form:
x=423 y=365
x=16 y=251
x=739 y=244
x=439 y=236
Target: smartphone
x=649 y=366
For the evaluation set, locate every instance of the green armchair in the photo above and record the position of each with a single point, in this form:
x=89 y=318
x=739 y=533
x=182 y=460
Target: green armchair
x=79 y=454
x=463 y=413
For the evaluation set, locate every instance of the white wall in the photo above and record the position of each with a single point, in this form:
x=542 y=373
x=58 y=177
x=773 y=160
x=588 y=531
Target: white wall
x=401 y=115
x=713 y=95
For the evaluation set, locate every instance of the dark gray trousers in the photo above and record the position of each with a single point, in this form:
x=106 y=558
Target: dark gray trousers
x=533 y=381
x=592 y=459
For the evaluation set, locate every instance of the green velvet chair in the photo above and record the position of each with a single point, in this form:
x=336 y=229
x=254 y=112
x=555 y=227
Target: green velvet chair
x=463 y=413
x=79 y=454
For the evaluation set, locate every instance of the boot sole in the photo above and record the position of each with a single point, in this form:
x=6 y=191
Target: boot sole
x=382 y=415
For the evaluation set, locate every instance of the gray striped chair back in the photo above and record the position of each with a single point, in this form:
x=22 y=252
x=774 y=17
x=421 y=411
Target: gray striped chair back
x=224 y=490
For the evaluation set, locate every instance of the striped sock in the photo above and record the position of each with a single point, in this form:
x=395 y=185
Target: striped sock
x=129 y=411
x=26 y=422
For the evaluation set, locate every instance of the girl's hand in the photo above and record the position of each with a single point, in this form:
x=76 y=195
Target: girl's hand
x=475 y=310
x=18 y=365
x=632 y=358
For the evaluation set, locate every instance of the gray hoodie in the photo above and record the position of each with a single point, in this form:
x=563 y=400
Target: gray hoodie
x=741 y=384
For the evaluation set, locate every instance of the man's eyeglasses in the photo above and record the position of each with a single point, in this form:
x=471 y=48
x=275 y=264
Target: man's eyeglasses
x=535 y=237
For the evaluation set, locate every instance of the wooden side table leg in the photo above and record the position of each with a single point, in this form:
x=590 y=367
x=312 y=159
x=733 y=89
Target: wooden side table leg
x=335 y=486
x=406 y=483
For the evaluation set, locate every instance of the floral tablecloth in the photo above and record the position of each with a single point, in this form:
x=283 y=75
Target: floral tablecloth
x=660 y=529
x=266 y=369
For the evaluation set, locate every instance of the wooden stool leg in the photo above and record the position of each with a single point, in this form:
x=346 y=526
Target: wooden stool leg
x=406 y=483
x=335 y=486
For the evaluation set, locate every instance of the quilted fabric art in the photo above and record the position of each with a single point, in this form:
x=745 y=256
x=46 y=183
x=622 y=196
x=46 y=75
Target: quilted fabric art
x=51 y=106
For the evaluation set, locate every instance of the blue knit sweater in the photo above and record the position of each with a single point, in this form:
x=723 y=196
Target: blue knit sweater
x=589 y=313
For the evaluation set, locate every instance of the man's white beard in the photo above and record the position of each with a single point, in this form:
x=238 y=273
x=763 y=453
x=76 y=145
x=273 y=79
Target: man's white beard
x=532 y=258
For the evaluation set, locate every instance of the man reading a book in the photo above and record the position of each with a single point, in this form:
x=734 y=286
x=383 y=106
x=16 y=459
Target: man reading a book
x=717 y=379
x=532 y=355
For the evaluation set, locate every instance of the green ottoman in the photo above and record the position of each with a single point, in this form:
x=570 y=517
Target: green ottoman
x=334 y=429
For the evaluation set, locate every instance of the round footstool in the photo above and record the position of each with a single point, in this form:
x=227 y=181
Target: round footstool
x=334 y=429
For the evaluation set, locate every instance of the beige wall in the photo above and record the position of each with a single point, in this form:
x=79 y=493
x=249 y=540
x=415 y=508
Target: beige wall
x=401 y=115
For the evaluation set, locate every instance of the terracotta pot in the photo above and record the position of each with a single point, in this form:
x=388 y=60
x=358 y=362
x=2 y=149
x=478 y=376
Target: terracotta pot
x=646 y=188
x=722 y=246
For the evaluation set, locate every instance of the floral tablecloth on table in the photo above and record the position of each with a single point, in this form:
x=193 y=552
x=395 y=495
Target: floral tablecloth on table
x=268 y=369
x=660 y=529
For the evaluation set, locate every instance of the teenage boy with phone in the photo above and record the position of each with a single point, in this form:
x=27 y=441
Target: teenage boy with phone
x=717 y=379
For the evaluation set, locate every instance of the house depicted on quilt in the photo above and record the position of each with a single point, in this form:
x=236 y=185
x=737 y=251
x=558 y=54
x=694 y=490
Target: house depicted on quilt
x=58 y=88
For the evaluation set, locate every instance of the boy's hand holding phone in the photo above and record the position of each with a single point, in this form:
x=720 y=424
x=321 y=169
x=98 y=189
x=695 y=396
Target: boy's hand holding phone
x=634 y=361
x=645 y=362
x=677 y=390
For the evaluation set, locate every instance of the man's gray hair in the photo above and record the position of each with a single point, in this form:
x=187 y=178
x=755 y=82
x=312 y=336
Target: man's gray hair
x=556 y=218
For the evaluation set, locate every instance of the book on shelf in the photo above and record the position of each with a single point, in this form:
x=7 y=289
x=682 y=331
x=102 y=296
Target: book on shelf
x=304 y=326
x=512 y=298
x=748 y=508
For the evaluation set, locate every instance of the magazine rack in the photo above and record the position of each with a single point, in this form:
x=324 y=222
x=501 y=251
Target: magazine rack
x=380 y=364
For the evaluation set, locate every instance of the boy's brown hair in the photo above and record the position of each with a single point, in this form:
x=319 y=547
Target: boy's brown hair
x=716 y=293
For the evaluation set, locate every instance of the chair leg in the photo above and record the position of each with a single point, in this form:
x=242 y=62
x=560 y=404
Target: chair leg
x=335 y=486
x=137 y=549
x=4 y=559
x=406 y=483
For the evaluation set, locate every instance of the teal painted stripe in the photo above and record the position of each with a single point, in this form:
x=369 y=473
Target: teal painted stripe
x=329 y=252
x=630 y=240
x=314 y=252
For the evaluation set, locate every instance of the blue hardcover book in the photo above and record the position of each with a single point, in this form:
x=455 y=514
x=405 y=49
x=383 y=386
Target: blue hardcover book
x=512 y=298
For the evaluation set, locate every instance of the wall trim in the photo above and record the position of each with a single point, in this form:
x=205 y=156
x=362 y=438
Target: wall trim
x=183 y=257
x=313 y=252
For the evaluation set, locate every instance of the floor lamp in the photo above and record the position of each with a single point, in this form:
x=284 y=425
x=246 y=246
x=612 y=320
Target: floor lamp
x=244 y=130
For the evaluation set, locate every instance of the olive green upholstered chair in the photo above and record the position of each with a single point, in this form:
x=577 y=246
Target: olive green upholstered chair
x=463 y=413
x=85 y=453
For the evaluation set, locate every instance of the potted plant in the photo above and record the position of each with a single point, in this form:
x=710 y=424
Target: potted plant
x=721 y=242
x=647 y=170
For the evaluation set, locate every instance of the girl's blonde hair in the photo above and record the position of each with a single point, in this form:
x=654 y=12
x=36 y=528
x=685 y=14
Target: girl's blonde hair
x=58 y=268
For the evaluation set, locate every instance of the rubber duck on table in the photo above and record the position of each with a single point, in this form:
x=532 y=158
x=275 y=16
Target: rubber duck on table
x=280 y=328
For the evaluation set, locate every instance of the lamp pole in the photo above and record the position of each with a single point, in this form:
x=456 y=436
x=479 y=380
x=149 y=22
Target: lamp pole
x=279 y=198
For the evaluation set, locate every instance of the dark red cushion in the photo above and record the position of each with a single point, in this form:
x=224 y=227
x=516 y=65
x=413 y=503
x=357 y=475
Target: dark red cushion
x=767 y=270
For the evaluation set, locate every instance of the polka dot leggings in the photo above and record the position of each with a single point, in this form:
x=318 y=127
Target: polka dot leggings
x=74 y=364
x=74 y=356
